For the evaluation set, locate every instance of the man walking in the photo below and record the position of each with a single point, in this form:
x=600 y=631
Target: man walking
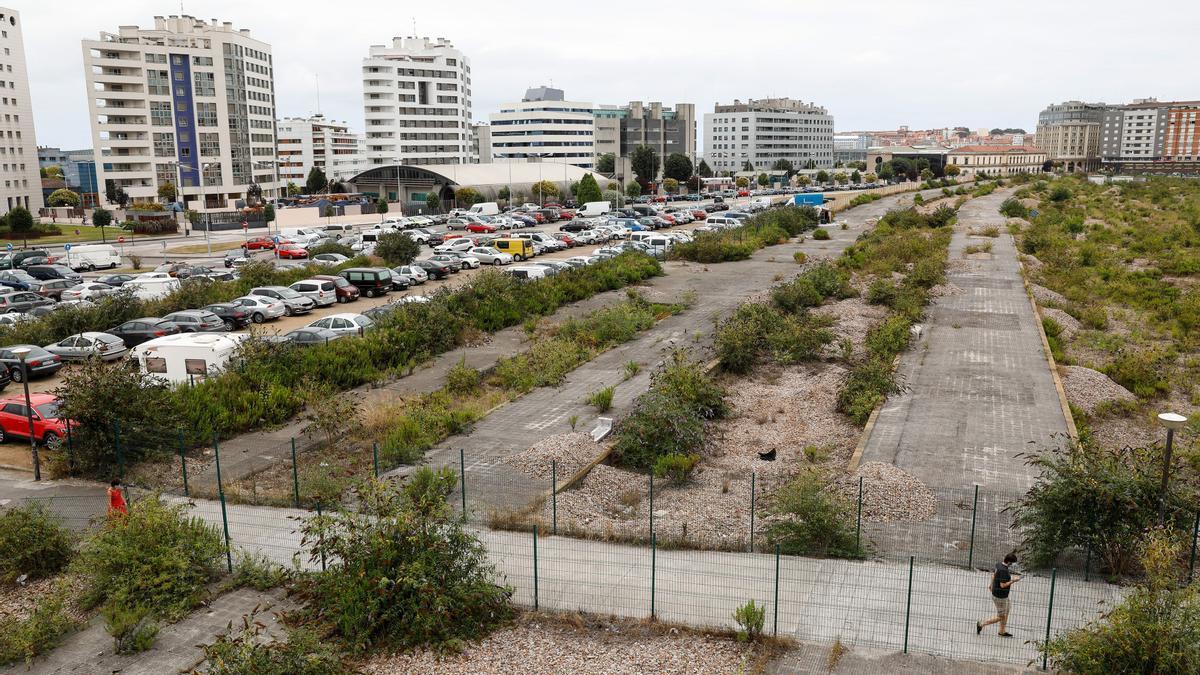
x=1000 y=586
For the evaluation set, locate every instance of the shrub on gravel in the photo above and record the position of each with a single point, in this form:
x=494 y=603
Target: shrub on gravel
x=820 y=234
x=247 y=651
x=37 y=634
x=33 y=543
x=1013 y=208
x=813 y=519
x=676 y=467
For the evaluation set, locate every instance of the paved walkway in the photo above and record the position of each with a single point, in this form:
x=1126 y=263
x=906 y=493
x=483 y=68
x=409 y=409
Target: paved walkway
x=978 y=388
x=863 y=604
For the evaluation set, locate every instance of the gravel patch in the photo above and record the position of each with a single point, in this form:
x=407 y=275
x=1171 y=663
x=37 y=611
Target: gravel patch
x=1031 y=262
x=854 y=318
x=782 y=409
x=540 y=644
x=572 y=451
x=1045 y=296
x=1069 y=324
x=943 y=290
x=18 y=602
x=890 y=494
x=1089 y=388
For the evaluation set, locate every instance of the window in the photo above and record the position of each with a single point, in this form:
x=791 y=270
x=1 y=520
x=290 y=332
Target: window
x=195 y=366
x=206 y=114
x=160 y=113
x=204 y=84
x=210 y=145
x=156 y=364
x=157 y=83
x=164 y=144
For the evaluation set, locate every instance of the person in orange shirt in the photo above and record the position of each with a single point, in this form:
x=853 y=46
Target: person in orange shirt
x=116 y=499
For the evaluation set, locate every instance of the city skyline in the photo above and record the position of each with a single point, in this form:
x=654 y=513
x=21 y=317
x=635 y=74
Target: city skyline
x=1004 y=85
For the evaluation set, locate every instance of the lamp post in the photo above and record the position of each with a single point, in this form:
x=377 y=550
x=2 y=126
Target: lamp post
x=1171 y=421
x=21 y=353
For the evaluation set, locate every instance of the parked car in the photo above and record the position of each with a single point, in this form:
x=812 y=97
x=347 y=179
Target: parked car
x=53 y=288
x=371 y=281
x=137 y=331
x=38 y=362
x=453 y=262
x=197 y=321
x=330 y=259
x=18 y=280
x=344 y=290
x=260 y=307
x=36 y=261
x=481 y=228
x=321 y=291
x=53 y=272
x=293 y=302
x=48 y=427
x=291 y=252
x=435 y=270
x=23 y=301
x=344 y=324
x=307 y=336
x=172 y=268
x=233 y=315
x=489 y=256
x=459 y=244
x=415 y=274
x=92 y=291
x=259 y=243
x=90 y=344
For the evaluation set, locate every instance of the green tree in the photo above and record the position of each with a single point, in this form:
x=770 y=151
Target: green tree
x=670 y=185
x=693 y=183
x=467 y=196
x=704 y=169
x=573 y=189
x=633 y=190
x=645 y=163
x=269 y=214
x=381 y=207
x=886 y=172
x=317 y=182
x=952 y=170
x=870 y=178
x=63 y=197
x=166 y=191
x=589 y=190
x=822 y=177
x=742 y=182
x=677 y=166
x=102 y=217
x=504 y=194
x=785 y=166
x=20 y=221
x=397 y=248
x=841 y=178
x=856 y=177
x=747 y=166
x=543 y=190
x=52 y=171
x=611 y=196
x=432 y=202
x=292 y=189
x=926 y=174
x=763 y=179
x=606 y=163
x=803 y=181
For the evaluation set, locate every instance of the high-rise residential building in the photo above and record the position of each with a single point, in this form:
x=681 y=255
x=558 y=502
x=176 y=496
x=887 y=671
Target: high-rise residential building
x=481 y=143
x=417 y=103
x=764 y=131
x=20 y=181
x=306 y=143
x=1151 y=136
x=544 y=126
x=186 y=102
x=1069 y=132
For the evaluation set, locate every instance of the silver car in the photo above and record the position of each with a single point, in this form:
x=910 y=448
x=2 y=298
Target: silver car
x=490 y=256
x=260 y=307
x=344 y=324
x=83 y=346
x=293 y=302
x=88 y=291
x=322 y=291
x=416 y=275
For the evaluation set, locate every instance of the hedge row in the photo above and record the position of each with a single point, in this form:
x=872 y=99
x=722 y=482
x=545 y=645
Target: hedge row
x=771 y=227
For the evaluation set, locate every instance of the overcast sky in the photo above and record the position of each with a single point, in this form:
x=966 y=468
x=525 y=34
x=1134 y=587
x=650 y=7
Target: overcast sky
x=874 y=65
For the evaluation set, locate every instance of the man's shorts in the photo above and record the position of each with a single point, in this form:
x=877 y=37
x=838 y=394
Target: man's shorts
x=1002 y=605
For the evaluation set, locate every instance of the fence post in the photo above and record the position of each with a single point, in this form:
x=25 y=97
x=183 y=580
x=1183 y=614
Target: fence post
x=295 y=474
x=228 y=547
x=217 y=453
x=753 y=484
x=462 y=480
x=775 y=628
x=652 y=513
x=375 y=457
x=974 y=510
x=535 y=568
x=183 y=465
x=120 y=454
x=858 y=518
x=653 y=571
x=1049 y=614
x=554 y=495
x=908 y=603
x=1195 y=534
x=321 y=541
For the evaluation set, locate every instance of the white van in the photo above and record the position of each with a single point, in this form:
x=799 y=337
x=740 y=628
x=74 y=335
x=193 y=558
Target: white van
x=723 y=223
x=151 y=285
x=527 y=272
x=659 y=243
x=338 y=229
x=486 y=209
x=186 y=357
x=301 y=235
x=92 y=257
x=641 y=236
x=593 y=209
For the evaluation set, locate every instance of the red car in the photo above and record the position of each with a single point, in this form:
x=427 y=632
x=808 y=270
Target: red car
x=481 y=228
x=659 y=198
x=257 y=243
x=566 y=215
x=536 y=215
x=47 y=426
x=743 y=193
x=565 y=238
x=292 y=251
x=700 y=214
x=551 y=205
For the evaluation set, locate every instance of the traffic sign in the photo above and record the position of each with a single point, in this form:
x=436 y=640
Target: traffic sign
x=9 y=246
x=66 y=247
x=120 y=240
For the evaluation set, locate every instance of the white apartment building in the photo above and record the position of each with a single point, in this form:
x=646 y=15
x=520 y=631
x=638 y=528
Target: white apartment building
x=545 y=127
x=417 y=103
x=315 y=142
x=186 y=102
x=20 y=182
x=765 y=131
x=481 y=143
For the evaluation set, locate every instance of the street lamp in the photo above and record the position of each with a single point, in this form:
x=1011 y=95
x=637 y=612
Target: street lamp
x=1171 y=421
x=21 y=353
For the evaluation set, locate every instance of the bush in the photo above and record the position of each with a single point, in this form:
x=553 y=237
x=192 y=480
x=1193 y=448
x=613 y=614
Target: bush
x=258 y=572
x=33 y=544
x=800 y=257
x=39 y=633
x=867 y=385
x=686 y=381
x=408 y=574
x=675 y=466
x=1145 y=372
x=153 y=563
x=247 y=651
x=813 y=519
x=1060 y=193
x=463 y=379
x=1013 y=208
x=602 y=398
x=659 y=425
x=397 y=248
x=1153 y=629
x=881 y=292
x=820 y=234
x=332 y=247
x=750 y=619
x=1102 y=499
x=797 y=295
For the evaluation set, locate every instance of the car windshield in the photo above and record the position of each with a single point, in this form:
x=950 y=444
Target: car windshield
x=287 y=293
x=48 y=411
